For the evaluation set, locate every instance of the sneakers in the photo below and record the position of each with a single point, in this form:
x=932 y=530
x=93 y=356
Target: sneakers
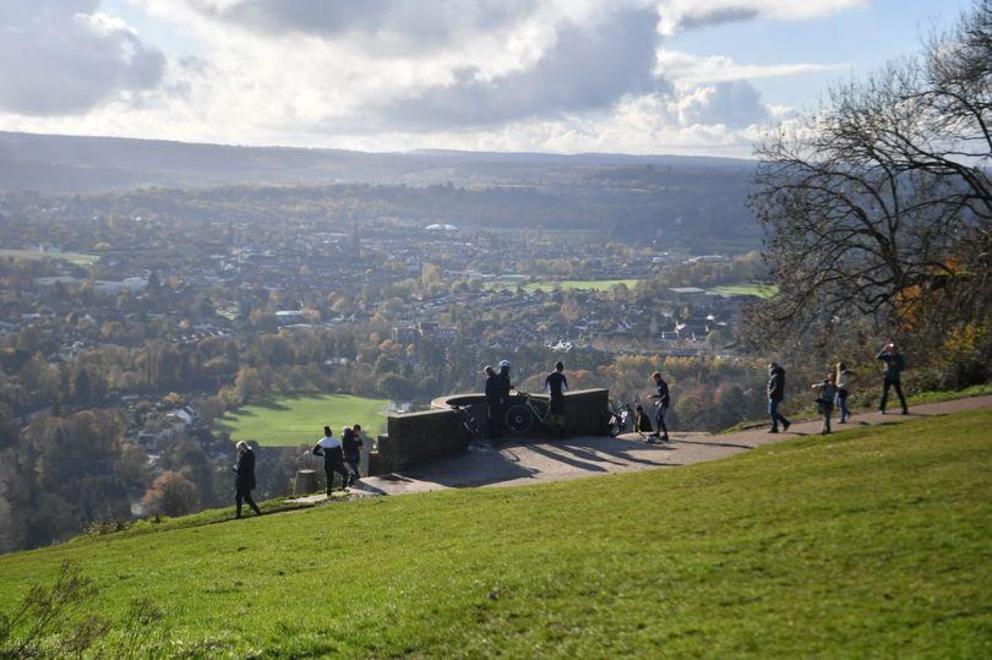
x=786 y=425
x=773 y=430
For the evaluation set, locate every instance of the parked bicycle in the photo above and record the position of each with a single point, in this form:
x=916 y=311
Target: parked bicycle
x=621 y=419
x=527 y=409
x=468 y=422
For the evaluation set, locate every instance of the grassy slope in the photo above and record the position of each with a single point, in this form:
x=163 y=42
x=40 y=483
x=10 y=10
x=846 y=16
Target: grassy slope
x=289 y=421
x=869 y=542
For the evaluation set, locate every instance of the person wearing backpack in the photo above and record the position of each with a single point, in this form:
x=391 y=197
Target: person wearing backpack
x=776 y=392
x=895 y=364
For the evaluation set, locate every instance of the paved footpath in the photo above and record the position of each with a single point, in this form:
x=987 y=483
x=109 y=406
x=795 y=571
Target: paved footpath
x=516 y=464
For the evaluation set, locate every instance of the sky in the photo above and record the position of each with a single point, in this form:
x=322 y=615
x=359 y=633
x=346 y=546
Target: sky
x=703 y=77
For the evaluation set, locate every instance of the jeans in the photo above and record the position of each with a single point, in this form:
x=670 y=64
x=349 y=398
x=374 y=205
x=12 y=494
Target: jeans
x=775 y=415
x=842 y=404
x=897 y=384
x=352 y=463
x=659 y=420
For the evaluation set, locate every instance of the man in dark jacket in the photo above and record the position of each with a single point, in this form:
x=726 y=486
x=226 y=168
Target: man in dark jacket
x=662 y=399
x=776 y=392
x=351 y=445
x=330 y=448
x=244 y=482
x=494 y=400
x=555 y=385
x=892 y=375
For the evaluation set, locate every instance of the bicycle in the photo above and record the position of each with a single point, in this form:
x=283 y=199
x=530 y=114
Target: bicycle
x=468 y=422
x=521 y=415
x=620 y=419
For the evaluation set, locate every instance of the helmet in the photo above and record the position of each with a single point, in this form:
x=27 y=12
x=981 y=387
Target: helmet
x=504 y=363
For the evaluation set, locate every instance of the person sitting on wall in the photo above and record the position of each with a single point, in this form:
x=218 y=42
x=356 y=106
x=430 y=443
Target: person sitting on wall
x=556 y=384
x=330 y=448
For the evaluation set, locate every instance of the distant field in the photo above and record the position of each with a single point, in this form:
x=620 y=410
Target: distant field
x=292 y=420
x=580 y=285
x=759 y=290
x=72 y=257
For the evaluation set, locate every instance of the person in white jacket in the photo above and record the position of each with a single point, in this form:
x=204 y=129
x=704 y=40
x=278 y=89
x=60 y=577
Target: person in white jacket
x=843 y=379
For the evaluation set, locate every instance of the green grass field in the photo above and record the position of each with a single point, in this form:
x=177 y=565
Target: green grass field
x=759 y=290
x=551 y=285
x=288 y=421
x=872 y=542
x=72 y=257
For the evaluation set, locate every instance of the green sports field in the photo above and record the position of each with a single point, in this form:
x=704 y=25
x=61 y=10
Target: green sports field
x=759 y=290
x=72 y=257
x=873 y=542
x=288 y=421
x=579 y=285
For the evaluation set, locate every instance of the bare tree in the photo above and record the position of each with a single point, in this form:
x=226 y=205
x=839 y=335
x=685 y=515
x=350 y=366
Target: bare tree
x=881 y=202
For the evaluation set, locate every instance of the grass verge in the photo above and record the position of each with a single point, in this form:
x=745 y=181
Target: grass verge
x=873 y=541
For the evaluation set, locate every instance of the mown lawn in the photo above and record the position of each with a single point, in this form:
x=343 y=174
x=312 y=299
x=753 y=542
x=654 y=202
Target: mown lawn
x=551 y=285
x=75 y=258
x=757 y=290
x=288 y=421
x=870 y=542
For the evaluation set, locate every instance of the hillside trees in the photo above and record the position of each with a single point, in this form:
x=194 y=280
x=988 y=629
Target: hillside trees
x=880 y=205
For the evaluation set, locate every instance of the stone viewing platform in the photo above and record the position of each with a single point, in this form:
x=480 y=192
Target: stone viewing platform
x=428 y=435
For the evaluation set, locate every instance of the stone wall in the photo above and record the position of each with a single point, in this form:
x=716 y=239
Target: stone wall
x=418 y=436
x=436 y=433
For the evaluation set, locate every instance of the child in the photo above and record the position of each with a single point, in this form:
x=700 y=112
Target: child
x=642 y=423
x=825 y=400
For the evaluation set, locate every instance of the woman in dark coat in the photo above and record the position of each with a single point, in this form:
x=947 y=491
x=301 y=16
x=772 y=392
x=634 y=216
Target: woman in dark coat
x=244 y=482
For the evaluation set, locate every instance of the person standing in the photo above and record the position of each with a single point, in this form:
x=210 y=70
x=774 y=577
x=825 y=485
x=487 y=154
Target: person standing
x=503 y=387
x=330 y=448
x=556 y=384
x=825 y=400
x=776 y=393
x=843 y=389
x=494 y=398
x=244 y=482
x=351 y=446
x=662 y=398
x=895 y=363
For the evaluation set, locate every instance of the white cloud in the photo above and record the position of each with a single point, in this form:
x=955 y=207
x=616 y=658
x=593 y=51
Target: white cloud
x=680 y=15
x=559 y=75
x=65 y=57
x=688 y=68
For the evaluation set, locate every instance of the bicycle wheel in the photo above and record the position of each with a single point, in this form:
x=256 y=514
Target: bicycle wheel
x=518 y=419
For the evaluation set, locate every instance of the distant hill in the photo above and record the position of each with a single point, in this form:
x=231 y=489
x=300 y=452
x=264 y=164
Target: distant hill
x=68 y=164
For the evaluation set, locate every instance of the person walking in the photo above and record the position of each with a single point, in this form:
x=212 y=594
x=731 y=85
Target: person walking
x=662 y=398
x=895 y=363
x=351 y=446
x=330 y=448
x=244 y=482
x=825 y=400
x=776 y=393
x=555 y=384
x=843 y=390
x=494 y=399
